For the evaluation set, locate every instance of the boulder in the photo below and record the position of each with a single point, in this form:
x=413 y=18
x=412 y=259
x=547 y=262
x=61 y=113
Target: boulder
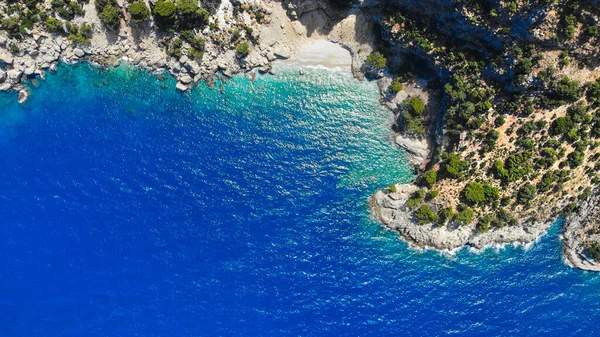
x=186 y=79
x=181 y=86
x=14 y=74
x=78 y=52
x=6 y=57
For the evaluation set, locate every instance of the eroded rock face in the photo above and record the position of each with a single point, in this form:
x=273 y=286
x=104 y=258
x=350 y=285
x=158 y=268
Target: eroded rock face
x=417 y=147
x=581 y=230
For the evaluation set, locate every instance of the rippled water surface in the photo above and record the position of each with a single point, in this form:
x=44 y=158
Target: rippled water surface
x=128 y=209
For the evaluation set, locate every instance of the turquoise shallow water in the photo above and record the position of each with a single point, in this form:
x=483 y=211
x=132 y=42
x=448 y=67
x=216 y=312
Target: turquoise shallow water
x=129 y=209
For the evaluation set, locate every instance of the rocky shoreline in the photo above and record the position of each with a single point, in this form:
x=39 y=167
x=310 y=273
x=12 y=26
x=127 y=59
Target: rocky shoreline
x=390 y=208
x=278 y=38
x=578 y=230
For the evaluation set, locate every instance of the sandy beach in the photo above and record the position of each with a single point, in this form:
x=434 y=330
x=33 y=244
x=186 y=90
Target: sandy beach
x=321 y=53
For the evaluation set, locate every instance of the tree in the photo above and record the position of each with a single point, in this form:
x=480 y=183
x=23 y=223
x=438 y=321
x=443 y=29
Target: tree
x=561 y=125
x=428 y=178
x=453 y=166
x=110 y=16
x=417 y=106
x=425 y=215
x=164 y=11
x=396 y=85
x=376 y=60
x=526 y=194
x=474 y=193
x=465 y=216
x=139 y=11
x=187 y=6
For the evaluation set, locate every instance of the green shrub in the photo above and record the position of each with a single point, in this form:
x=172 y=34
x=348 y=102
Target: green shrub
x=53 y=24
x=392 y=188
x=453 y=166
x=576 y=158
x=526 y=194
x=465 y=216
x=110 y=16
x=483 y=225
x=243 y=48
x=429 y=178
x=164 y=11
x=417 y=106
x=474 y=193
x=445 y=215
x=416 y=199
x=568 y=89
x=187 y=6
x=376 y=60
x=425 y=215
x=561 y=125
x=195 y=53
x=396 y=85
x=139 y=11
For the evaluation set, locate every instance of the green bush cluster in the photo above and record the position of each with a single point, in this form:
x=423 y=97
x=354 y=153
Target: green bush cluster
x=242 y=48
x=453 y=166
x=476 y=193
x=416 y=199
x=425 y=215
x=139 y=11
x=376 y=60
x=465 y=215
x=79 y=34
x=515 y=167
x=428 y=178
x=180 y=14
x=412 y=117
x=66 y=9
x=396 y=85
x=526 y=194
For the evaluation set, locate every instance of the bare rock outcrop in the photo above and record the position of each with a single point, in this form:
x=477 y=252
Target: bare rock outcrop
x=580 y=231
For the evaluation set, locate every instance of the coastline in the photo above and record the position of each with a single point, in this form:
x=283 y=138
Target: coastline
x=391 y=210
x=301 y=43
x=280 y=38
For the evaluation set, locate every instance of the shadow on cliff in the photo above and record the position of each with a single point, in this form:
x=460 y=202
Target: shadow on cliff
x=318 y=15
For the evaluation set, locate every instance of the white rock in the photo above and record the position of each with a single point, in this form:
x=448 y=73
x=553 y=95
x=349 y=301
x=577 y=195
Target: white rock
x=14 y=74
x=78 y=52
x=186 y=79
x=181 y=86
x=5 y=57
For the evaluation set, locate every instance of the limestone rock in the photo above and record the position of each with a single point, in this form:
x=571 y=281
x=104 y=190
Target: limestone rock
x=181 y=86
x=6 y=57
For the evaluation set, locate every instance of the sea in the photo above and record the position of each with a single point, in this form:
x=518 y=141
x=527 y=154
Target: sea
x=240 y=209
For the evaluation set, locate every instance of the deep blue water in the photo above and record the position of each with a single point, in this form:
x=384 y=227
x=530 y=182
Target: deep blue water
x=128 y=209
